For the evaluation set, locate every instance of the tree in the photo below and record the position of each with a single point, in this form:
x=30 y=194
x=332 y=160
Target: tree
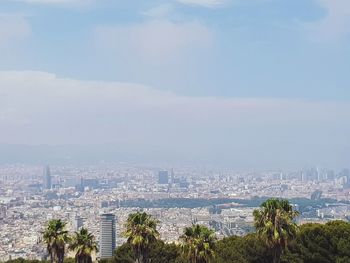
x=141 y=232
x=124 y=254
x=84 y=244
x=159 y=252
x=245 y=249
x=318 y=243
x=274 y=223
x=56 y=237
x=22 y=260
x=198 y=244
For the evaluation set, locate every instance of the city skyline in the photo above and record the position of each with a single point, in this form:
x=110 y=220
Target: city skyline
x=174 y=131
x=223 y=200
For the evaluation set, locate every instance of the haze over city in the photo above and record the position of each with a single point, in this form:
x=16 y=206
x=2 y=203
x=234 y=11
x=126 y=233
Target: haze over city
x=174 y=131
x=249 y=84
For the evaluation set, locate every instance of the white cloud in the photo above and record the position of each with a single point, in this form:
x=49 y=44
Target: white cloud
x=14 y=28
x=154 y=41
x=46 y=1
x=204 y=3
x=160 y=11
x=336 y=22
x=57 y=2
x=38 y=107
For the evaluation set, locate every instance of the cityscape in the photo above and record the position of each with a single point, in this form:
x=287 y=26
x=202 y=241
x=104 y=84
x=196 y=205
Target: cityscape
x=174 y=131
x=100 y=198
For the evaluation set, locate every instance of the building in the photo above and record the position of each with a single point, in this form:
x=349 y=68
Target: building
x=90 y=183
x=77 y=223
x=3 y=212
x=163 y=177
x=107 y=236
x=47 y=184
x=330 y=175
x=69 y=182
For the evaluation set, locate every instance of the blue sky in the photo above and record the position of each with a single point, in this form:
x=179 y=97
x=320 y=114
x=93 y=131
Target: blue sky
x=255 y=48
x=267 y=77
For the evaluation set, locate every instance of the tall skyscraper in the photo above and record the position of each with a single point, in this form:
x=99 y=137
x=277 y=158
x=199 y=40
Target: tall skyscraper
x=107 y=236
x=46 y=178
x=163 y=177
x=172 y=176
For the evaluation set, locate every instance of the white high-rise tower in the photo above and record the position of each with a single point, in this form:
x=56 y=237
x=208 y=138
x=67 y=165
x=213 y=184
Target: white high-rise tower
x=47 y=178
x=107 y=236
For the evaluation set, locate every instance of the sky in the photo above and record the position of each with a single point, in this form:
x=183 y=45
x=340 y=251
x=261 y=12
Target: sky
x=239 y=83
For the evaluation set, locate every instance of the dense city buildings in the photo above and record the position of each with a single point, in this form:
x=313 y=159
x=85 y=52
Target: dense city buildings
x=93 y=195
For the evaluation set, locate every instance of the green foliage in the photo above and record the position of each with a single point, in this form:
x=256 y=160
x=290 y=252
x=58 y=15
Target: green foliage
x=22 y=260
x=274 y=223
x=141 y=232
x=247 y=249
x=124 y=254
x=323 y=243
x=162 y=252
x=56 y=237
x=106 y=260
x=198 y=243
x=315 y=243
x=159 y=252
x=83 y=243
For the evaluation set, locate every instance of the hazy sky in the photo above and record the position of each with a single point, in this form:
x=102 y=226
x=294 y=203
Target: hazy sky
x=260 y=83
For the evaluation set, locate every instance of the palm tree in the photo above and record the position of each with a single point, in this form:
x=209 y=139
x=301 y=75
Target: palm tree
x=55 y=236
x=198 y=244
x=141 y=231
x=84 y=244
x=274 y=222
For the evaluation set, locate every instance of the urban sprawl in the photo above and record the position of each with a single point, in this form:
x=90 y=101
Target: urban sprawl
x=100 y=198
